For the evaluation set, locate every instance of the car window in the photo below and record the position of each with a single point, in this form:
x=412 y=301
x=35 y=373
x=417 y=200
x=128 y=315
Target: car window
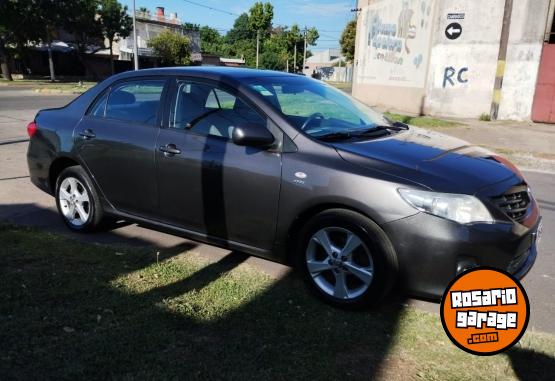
x=314 y=107
x=136 y=101
x=99 y=106
x=210 y=111
x=304 y=103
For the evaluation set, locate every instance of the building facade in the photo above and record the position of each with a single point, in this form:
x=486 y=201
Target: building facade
x=442 y=57
x=149 y=26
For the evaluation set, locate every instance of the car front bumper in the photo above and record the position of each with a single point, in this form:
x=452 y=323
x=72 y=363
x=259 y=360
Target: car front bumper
x=431 y=251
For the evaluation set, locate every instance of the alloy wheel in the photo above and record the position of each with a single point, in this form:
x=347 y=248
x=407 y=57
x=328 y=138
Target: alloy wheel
x=74 y=201
x=339 y=263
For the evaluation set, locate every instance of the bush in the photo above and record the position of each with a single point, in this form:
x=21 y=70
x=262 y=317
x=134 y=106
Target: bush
x=485 y=117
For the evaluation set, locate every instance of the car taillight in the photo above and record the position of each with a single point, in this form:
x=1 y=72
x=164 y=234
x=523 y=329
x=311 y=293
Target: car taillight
x=31 y=129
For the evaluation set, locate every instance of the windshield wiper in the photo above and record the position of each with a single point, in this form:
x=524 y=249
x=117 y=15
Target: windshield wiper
x=345 y=135
x=398 y=126
x=349 y=134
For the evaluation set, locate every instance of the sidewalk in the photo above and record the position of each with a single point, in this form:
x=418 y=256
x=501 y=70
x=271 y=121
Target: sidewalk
x=529 y=145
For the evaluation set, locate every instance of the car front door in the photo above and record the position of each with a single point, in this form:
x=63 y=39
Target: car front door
x=116 y=142
x=208 y=184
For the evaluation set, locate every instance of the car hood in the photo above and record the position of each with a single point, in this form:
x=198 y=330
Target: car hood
x=436 y=161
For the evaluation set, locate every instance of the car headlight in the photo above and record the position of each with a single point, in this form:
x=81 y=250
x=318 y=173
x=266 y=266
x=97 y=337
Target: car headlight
x=461 y=208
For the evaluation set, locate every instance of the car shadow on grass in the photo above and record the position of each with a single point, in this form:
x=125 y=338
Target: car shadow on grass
x=66 y=313
x=78 y=310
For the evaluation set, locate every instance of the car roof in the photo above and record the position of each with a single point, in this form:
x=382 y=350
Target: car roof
x=216 y=72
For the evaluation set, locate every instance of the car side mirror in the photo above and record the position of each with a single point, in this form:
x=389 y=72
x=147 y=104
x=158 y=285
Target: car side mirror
x=252 y=135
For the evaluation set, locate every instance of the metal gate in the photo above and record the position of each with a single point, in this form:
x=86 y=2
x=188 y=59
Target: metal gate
x=543 y=109
x=544 y=99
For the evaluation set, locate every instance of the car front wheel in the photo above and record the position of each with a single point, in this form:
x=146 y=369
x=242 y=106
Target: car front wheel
x=347 y=259
x=77 y=200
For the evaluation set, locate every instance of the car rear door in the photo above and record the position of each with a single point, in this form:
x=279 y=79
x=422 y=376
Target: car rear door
x=116 y=141
x=206 y=183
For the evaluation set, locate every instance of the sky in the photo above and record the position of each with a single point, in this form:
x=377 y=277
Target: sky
x=328 y=16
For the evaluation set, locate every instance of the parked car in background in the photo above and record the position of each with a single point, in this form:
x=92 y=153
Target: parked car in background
x=287 y=168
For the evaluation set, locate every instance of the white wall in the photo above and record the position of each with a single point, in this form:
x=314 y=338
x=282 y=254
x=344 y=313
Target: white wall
x=477 y=51
x=392 y=52
x=472 y=57
x=523 y=58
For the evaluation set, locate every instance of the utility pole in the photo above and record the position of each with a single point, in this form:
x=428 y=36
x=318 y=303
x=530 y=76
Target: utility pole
x=287 y=66
x=304 y=52
x=135 y=47
x=295 y=58
x=503 y=44
x=257 y=46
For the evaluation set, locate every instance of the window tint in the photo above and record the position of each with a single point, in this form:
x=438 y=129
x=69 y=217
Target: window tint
x=100 y=106
x=135 y=101
x=207 y=110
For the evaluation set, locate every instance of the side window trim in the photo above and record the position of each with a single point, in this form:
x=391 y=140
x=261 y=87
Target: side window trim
x=108 y=91
x=105 y=92
x=171 y=100
x=131 y=80
x=173 y=92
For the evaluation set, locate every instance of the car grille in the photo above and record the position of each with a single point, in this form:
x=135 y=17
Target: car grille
x=514 y=203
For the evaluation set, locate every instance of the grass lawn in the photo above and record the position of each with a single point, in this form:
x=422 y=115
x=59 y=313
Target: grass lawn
x=40 y=84
x=422 y=121
x=71 y=310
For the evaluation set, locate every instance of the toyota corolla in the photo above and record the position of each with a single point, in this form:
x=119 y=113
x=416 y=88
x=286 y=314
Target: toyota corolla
x=286 y=168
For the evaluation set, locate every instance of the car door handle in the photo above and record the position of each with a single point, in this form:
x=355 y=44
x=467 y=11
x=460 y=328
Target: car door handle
x=88 y=134
x=170 y=150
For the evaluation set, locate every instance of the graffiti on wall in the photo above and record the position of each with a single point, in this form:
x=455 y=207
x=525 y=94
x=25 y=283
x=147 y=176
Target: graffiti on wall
x=452 y=76
x=396 y=43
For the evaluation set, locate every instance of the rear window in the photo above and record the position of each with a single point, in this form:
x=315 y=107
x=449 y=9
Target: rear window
x=136 y=101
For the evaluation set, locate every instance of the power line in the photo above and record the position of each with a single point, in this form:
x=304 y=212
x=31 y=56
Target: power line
x=212 y=8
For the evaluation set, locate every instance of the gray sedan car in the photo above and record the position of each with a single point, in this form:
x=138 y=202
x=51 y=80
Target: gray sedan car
x=286 y=168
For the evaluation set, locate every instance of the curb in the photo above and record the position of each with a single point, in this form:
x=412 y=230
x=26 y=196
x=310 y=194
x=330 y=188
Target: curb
x=57 y=91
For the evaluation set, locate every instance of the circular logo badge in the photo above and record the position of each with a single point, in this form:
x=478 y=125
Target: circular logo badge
x=485 y=311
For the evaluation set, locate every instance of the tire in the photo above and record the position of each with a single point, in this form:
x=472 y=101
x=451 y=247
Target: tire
x=368 y=272
x=77 y=197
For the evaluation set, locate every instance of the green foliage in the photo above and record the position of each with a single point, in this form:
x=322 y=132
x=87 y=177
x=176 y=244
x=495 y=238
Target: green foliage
x=347 y=40
x=260 y=17
x=191 y=26
x=485 y=117
x=82 y=23
x=114 y=20
x=240 y=30
x=172 y=48
x=210 y=40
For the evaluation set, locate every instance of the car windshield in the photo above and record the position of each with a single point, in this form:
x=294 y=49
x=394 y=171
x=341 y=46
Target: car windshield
x=317 y=108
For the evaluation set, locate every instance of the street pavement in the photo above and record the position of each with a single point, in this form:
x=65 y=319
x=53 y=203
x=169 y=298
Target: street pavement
x=22 y=203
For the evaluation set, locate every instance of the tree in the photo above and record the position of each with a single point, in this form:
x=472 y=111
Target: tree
x=191 y=26
x=260 y=17
x=240 y=30
x=80 y=19
x=210 y=40
x=16 y=20
x=347 y=40
x=172 y=48
x=115 y=23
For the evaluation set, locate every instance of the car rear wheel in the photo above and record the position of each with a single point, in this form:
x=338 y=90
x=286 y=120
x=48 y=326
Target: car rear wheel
x=347 y=259
x=77 y=200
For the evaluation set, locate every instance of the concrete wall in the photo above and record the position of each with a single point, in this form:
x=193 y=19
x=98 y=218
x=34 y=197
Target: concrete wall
x=523 y=58
x=459 y=73
x=462 y=71
x=476 y=53
x=392 y=52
